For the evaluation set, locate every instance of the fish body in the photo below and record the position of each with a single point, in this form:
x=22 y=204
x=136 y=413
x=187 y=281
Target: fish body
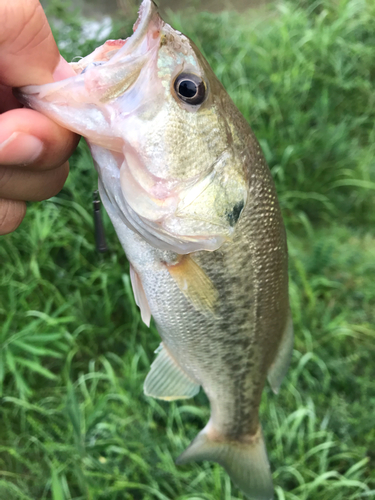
x=192 y=200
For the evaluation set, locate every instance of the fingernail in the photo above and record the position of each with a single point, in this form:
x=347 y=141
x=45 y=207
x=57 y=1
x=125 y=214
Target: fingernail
x=20 y=149
x=63 y=70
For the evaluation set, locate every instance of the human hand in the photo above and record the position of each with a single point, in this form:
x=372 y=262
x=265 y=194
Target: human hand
x=33 y=149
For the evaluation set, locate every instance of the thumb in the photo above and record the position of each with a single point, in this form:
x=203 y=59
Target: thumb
x=28 y=51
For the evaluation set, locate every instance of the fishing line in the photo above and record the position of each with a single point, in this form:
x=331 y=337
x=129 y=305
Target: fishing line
x=100 y=240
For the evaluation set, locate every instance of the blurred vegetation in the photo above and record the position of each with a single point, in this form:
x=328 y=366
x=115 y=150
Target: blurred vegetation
x=74 y=352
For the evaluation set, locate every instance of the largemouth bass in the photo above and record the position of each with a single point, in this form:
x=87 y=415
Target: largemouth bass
x=192 y=200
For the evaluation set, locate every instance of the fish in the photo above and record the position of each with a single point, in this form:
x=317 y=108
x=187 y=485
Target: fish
x=193 y=202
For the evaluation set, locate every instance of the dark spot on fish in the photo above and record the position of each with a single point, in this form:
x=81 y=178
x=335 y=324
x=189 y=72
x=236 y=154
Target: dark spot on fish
x=244 y=343
x=236 y=367
x=230 y=311
x=258 y=313
x=242 y=321
x=235 y=282
x=235 y=213
x=226 y=325
x=163 y=40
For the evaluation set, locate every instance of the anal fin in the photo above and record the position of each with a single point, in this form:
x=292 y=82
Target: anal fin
x=140 y=296
x=279 y=367
x=194 y=283
x=167 y=380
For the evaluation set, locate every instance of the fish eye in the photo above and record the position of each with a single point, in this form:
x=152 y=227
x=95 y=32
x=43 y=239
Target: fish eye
x=190 y=88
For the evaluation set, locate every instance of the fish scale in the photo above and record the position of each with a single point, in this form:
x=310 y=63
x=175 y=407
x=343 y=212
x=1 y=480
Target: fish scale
x=192 y=200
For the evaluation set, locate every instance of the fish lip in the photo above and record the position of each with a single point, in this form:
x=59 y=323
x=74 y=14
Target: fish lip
x=148 y=10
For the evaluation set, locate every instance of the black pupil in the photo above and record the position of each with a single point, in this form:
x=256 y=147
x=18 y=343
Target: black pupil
x=187 y=88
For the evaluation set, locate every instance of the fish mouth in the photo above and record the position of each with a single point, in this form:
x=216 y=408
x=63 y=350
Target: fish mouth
x=118 y=56
x=110 y=72
x=146 y=29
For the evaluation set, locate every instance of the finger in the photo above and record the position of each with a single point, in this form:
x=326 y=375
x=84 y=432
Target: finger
x=26 y=185
x=11 y=215
x=28 y=52
x=30 y=138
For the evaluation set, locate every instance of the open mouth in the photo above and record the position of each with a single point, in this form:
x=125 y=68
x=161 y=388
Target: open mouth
x=100 y=78
x=145 y=31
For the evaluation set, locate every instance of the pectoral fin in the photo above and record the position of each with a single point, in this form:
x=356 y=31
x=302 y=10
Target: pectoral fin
x=194 y=283
x=279 y=367
x=167 y=380
x=140 y=296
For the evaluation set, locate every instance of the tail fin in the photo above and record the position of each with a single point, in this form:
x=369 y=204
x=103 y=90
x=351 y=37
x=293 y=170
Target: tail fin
x=245 y=462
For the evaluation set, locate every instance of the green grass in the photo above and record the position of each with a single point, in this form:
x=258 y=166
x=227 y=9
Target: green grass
x=73 y=350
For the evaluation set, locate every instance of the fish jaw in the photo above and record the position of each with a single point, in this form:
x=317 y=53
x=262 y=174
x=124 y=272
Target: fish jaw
x=91 y=102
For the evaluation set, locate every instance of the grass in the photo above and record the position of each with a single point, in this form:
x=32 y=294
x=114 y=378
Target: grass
x=74 y=352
